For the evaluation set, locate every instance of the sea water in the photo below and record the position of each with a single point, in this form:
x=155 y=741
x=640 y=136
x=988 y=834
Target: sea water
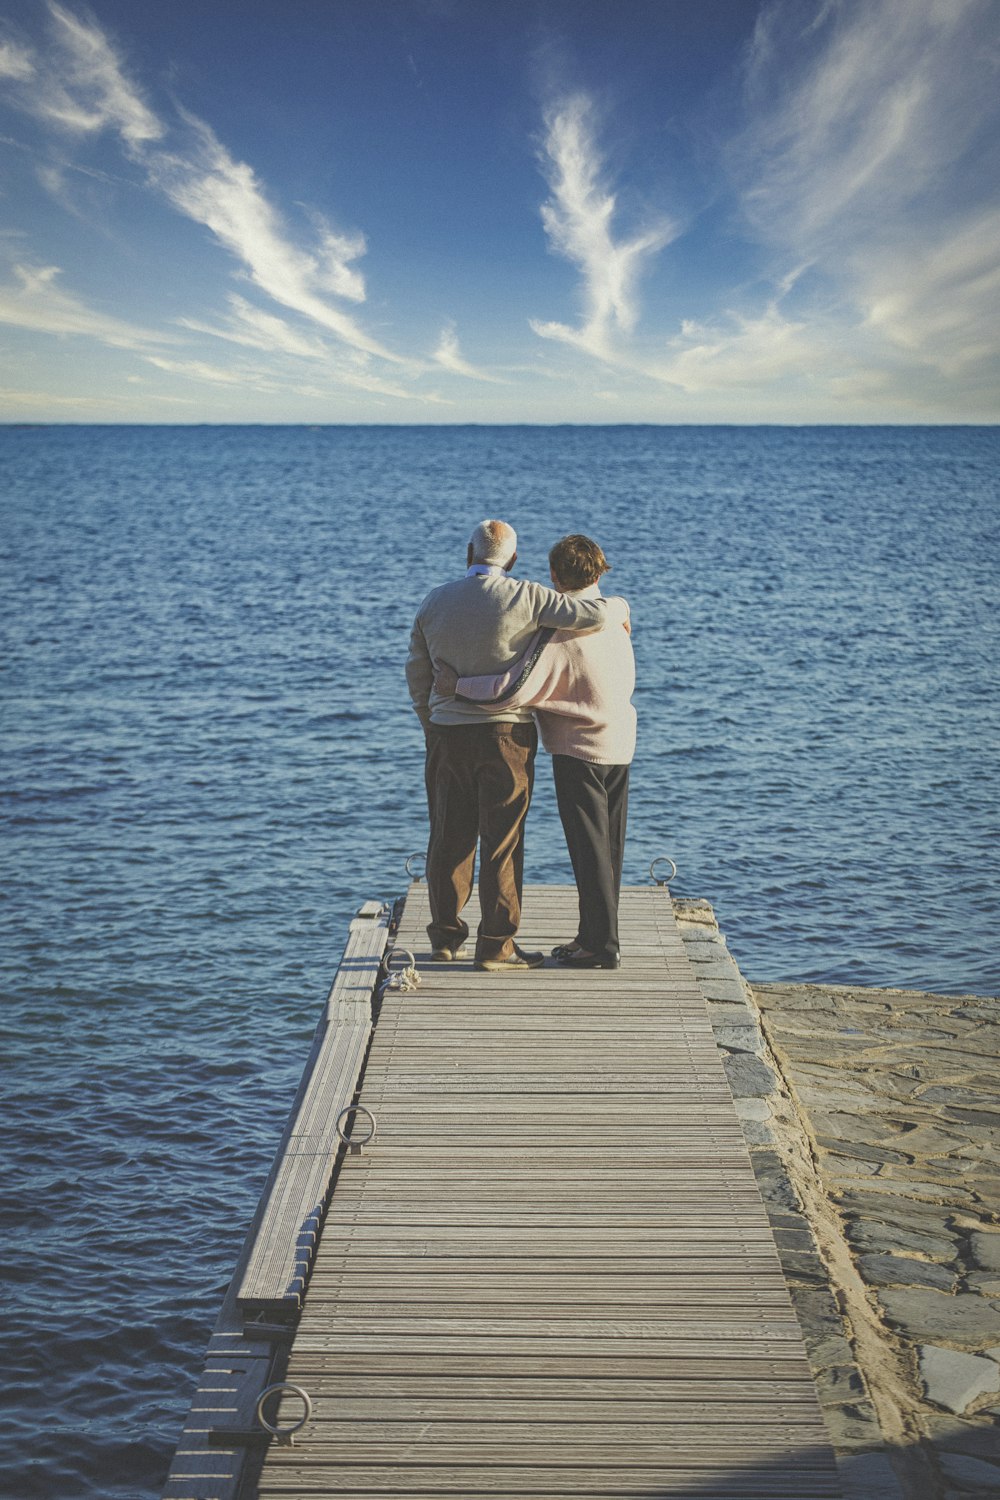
x=209 y=761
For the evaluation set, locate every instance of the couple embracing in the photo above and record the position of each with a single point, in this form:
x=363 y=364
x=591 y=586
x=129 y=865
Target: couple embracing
x=490 y=658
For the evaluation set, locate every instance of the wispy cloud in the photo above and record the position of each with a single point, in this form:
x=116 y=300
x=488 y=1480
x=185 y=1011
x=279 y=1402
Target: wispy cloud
x=81 y=86
x=859 y=114
x=945 y=307
x=741 y=352
x=256 y=329
x=31 y=401
x=864 y=190
x=865 y=156
x=34 y=300
x=450 y=357
x=578 y=222
x=28 y=402
x=199 y=369
x=16 y=62
x=208 y=185
x=367 y=381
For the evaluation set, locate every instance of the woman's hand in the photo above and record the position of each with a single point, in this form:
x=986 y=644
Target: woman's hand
x=445 y=680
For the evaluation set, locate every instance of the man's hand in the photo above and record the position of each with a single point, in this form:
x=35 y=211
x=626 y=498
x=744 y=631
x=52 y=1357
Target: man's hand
x=445 y=680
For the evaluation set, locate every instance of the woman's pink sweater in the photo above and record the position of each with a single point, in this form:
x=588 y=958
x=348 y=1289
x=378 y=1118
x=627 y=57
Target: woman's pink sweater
x=580 y=689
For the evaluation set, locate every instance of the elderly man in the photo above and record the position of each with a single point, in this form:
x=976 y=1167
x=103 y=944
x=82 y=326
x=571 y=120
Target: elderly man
x=480 y=765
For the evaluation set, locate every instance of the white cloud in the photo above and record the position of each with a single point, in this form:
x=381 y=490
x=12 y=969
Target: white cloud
x=198 y=369
x=862 y=116
x=250 y=377
x=16 y=62
x=82 y=87
x=334 y=271
x=209 y=186
x=866 y=157
x=450 y=357
x=578 y=219
x=33 y=300
x=732 y=352
x=945 y=306
x=865 y=182
x=747 y=352
x=38 y=399
x=256 y=329
x=22 y=400
x=366 y=381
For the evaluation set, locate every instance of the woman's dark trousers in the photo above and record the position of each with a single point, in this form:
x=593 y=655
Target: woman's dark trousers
x=593 y=806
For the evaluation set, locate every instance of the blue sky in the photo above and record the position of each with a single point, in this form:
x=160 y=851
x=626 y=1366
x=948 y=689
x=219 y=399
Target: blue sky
x=500 y=211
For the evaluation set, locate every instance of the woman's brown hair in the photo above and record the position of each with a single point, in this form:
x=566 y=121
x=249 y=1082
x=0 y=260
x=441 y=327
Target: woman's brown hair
x=578 y=562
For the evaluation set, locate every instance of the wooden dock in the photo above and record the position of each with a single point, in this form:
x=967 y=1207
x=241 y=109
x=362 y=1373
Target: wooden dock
x=551 y=1273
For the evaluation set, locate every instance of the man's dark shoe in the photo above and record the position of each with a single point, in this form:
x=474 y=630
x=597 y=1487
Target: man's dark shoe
x=514 y=963
x=580 y=960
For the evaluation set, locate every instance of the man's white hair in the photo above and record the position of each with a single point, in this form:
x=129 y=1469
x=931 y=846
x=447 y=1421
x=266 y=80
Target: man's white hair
x=493 y=542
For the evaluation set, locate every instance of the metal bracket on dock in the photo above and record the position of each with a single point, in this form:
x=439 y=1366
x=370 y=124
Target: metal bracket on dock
x=356 y=1146
x=405 y=978
x=261 y=1435
x=284 y=1435
x=408 y=863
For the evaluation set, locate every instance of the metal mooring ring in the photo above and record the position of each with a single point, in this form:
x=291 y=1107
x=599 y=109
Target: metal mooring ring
x=664 y=859
x=408 y=866
x=391 y=953
x=352 y=1140
x=284 y=1434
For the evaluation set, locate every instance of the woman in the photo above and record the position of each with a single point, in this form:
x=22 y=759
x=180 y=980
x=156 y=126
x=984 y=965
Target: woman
x=580 y=686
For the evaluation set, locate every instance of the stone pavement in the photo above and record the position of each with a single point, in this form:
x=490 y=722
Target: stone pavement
x=873 y=1121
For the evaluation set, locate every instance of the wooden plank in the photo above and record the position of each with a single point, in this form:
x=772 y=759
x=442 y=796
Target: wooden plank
x=410 y=1391
x=668 y=1407
x=552 y=1273
x=298 y=1191
x=790 y=1477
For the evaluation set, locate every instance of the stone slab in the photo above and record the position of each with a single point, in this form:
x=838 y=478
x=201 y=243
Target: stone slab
x=972 y=1471
x=721 y=988
x=752 y=1109
x=901 y=1270
x=714 y=967
x=984 y=1282
x=985 y=1250
x=705 y=949
x=740 y=1039
x=965 y=1321
x=953 y=1379
x=867 y=1476
x=748 y=1076
x=728 y=1013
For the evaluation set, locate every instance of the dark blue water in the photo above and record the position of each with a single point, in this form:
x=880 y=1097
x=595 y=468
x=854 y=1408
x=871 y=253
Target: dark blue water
x=209 y=761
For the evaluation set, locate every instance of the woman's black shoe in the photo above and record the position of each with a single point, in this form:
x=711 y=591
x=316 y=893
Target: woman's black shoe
x=591 y=960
